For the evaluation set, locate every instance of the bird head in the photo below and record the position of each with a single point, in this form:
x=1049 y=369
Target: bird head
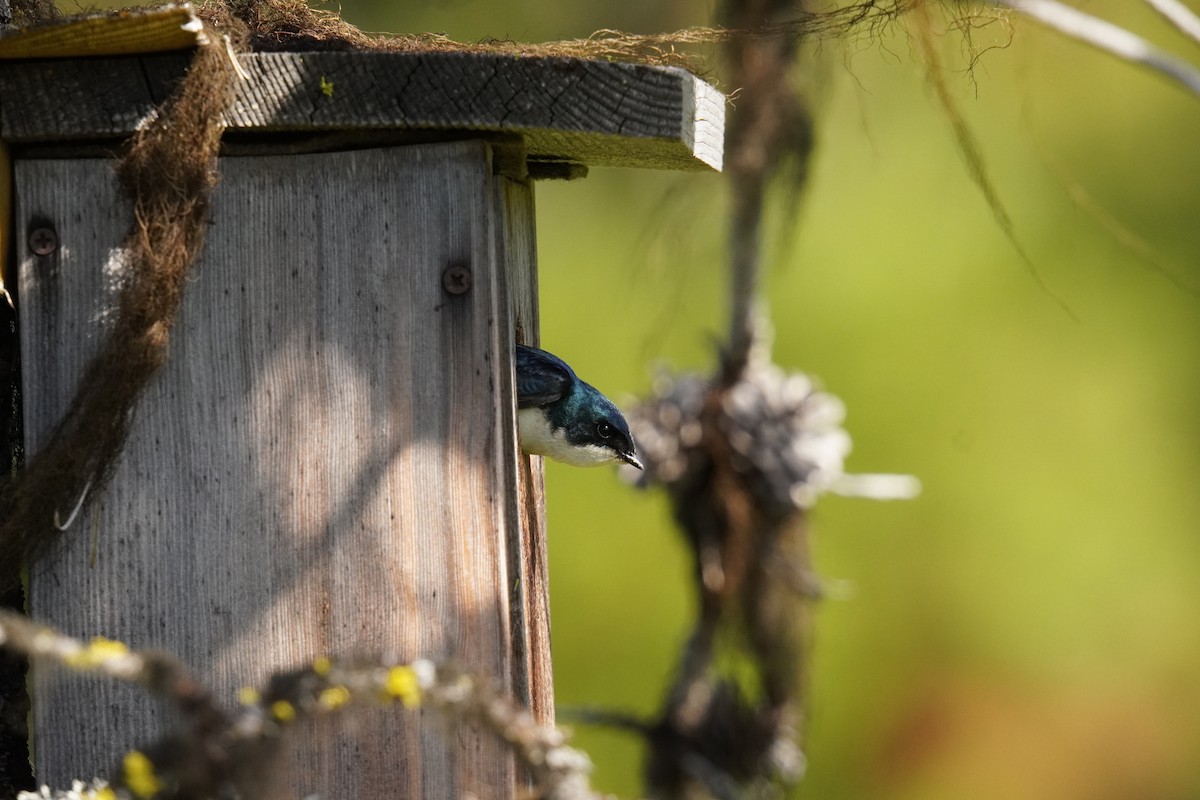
x=598 y=431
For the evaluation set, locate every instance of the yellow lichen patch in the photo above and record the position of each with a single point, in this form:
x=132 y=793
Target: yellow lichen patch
x=283 y=711
x=97 y=652
x=248 y=696
x=104 y=794
x=138 y=774
x=322 y=665
x=401 y=684
x=334 y=697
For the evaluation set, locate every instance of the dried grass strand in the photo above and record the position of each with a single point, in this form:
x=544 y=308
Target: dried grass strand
x=168 y=171
x=293 y=24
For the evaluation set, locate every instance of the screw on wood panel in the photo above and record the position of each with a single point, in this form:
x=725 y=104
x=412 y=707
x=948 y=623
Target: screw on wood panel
x=456 y=279
x=43 y=241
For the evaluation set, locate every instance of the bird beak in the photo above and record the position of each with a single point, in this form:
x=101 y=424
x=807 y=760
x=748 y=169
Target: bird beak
x=632 y=460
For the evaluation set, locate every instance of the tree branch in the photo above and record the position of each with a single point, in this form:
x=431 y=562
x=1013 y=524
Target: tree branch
x=1178 y=15
x=1108 y=37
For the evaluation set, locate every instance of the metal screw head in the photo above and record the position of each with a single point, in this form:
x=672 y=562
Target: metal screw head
x=456 y=279
x=43 y=241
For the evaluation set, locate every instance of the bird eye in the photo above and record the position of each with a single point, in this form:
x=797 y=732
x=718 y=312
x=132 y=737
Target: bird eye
x=604 y=430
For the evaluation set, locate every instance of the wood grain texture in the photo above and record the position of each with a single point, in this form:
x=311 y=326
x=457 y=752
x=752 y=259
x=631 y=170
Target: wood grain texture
x=594 y=113
x=145 y=31
x=530 y=599
x=327 y=463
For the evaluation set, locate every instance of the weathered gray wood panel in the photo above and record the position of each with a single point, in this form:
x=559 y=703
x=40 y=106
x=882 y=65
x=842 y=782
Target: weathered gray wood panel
x=530 y=599
x=596 y=113
x=325 y=465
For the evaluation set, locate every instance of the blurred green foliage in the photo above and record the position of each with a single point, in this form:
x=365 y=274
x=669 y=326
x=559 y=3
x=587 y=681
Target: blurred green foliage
x=1028 y=627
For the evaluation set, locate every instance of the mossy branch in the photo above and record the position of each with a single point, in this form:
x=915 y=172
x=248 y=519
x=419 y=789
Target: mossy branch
x=214 y=753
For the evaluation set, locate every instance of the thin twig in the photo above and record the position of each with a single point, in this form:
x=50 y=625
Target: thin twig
x=1106 y=36
x=1178 y=15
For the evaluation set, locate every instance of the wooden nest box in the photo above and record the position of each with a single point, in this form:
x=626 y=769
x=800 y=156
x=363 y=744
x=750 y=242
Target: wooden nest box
x=327 y=463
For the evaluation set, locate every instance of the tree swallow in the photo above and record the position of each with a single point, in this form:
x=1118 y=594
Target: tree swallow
x=566 y=419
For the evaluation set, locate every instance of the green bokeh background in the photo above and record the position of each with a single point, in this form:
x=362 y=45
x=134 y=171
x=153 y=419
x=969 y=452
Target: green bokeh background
x=1028 y=628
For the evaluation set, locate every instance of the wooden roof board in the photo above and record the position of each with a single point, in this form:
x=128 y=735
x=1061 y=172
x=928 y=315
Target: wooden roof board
x=141 y=30
x=595 y=113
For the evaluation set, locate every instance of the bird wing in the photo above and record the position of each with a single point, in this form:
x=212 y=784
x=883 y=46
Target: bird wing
x=542 y=378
